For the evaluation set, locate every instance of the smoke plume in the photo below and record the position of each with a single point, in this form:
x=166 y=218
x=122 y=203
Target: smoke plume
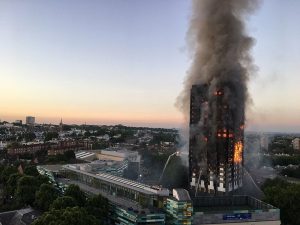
x=220 y=51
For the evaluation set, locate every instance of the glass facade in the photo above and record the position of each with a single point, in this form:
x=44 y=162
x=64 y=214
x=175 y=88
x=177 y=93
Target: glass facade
x=131 y=217
x=179 y=212
x=118 y=190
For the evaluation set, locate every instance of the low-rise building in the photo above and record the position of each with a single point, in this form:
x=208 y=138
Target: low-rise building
x=140 y=194
x=86 y=156
x=28 y=148
x=60 y=147
x=235 y=210
x=134 y=203
x=24 y=216
x=130 y=216
x=53 y=148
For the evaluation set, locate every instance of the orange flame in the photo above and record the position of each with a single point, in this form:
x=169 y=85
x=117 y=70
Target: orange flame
x=238 y=150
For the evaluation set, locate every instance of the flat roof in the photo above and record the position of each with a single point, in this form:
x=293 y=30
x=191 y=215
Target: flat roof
x=84 y=154
x=181 y=194
x=212 y=204
x=139 y=187
x=52 y=168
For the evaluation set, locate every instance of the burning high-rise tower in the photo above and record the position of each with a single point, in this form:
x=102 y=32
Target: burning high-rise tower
x=215 y=93
x=216 y=141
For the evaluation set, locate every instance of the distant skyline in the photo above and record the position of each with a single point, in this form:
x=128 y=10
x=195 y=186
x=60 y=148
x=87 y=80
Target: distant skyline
x=124 y=61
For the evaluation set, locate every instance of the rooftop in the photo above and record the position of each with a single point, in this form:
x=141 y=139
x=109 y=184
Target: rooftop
x=181 y=194
x=53 y=168
x=236 y=203
x=139 y=187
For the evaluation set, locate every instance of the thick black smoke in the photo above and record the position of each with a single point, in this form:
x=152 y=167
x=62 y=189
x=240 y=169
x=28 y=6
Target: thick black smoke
x=220 y=51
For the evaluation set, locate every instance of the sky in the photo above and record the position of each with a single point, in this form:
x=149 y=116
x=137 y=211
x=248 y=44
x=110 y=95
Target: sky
x=124 y=62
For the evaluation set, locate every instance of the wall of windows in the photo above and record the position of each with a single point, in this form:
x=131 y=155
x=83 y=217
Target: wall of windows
x=144 y=200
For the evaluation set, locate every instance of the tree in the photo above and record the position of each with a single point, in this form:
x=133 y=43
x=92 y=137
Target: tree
x=50 y=135
x=87 y=134
x=291 y=172
x=42 y=179
x=6 y=172
x=30 y=136
x=98 y=207
x=45 y=196
x=63 y=203
x=68 y=216
x=286 y=197
x=26 y=189
x=31 y=171
x=69 y=155
x=11 y=184
x=75 y=192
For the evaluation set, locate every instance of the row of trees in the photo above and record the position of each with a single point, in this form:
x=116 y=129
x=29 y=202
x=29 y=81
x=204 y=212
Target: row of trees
x=21 y=188
x=164 y=137
x=42 y=157
x=71 y=208
x=286 y=197
x=281 y=160
x=281 y=144
x=291 y=172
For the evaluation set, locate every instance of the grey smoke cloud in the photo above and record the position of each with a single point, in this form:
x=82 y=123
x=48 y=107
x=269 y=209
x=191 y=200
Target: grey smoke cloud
x=220 y=51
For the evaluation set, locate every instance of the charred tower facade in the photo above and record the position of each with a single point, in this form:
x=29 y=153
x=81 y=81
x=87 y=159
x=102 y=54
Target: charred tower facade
x=216 y=140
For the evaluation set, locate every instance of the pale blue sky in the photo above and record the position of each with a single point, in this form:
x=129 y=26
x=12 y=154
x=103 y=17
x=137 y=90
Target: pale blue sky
x=123 y=61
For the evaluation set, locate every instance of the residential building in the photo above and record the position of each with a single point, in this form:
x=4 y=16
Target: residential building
x=30 y=120
x=53 y=148
x=60 y=147
x=216 y=142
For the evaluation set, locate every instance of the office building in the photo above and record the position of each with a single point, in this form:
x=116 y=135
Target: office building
x=179 y=208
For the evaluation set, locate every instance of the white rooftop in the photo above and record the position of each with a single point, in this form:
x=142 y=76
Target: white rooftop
x=139 y=187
